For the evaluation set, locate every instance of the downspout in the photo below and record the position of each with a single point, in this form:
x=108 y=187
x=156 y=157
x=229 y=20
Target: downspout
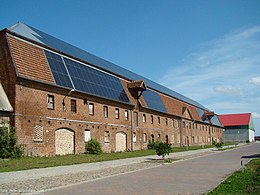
x=132 y=129
x=181 y=143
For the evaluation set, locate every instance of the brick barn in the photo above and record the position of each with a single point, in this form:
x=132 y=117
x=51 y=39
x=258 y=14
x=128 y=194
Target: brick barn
x=63 y=96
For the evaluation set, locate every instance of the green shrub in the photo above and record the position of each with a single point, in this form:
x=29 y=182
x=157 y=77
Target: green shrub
x=163 y=149
x=151 y=145
x=218 y=145
x=8 y=139
x=93 y=147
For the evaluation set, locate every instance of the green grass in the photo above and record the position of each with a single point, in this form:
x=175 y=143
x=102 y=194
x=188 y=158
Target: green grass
x=25 y=163
x=246 y=181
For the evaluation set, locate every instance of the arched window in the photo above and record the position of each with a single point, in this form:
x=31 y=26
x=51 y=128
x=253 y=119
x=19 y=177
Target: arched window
x=145 y=137
x=152 y=138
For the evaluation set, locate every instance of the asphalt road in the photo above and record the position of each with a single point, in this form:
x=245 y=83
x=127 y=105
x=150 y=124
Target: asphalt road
x=193 y=176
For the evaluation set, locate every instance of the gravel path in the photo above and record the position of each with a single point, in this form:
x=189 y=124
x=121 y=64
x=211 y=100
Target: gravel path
x=35 y=185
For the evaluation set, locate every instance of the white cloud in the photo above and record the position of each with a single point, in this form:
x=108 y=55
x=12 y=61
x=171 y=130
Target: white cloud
x=229 y=91
x=256 y=115
x=255 y=80
x=222 y=74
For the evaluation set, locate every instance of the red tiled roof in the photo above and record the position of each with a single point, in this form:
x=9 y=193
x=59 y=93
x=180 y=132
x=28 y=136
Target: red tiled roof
x=235 y=119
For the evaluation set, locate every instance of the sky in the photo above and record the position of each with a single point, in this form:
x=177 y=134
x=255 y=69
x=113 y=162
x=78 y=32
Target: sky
x=208 y=51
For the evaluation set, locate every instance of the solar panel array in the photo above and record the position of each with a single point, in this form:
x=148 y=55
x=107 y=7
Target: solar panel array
x=153 y=100
x=85 y=78
x=50 y=41
x=215 y=121
x=202 y=115
x=58 y=69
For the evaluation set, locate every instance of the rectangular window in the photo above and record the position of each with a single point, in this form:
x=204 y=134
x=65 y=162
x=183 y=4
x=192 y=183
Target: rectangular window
x=145 y=137
x=106 y=137
x=126 y=115
x=73 y=106
x=151 y=119
x=159 y=120
x=166 y=121
x=105 y=111
x=87 y=135
x=91 y=108
x=117 y=113
x=38 y=133
x=50 y=102
x=136 y=119
x=134 y=137
x=144 y=118
x=175 y=123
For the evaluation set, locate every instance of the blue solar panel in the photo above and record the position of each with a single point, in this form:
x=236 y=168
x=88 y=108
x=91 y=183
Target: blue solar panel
x=202 y=115
x=58 y=69
x=85 y=79
x=154 y=101
x=215 y=121
x=93 y=81
x=50 y=41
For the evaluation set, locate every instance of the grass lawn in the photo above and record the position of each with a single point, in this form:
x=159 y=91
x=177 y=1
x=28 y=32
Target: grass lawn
x=246 y=181
x=42 y=162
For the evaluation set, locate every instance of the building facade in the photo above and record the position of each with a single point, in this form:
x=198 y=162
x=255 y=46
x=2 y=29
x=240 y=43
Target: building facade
x=63 y=96
x=238 y=127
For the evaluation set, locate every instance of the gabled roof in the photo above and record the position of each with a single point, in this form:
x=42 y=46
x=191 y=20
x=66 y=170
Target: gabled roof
x=235 y=119
x=49 y=41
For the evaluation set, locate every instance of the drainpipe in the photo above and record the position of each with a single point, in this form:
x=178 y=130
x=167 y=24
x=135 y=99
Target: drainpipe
x=181 y=143
x=132 y=129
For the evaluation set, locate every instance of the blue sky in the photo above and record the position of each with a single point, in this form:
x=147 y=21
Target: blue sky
x=206 y=50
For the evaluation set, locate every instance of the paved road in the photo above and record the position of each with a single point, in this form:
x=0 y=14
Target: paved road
x=192 y=176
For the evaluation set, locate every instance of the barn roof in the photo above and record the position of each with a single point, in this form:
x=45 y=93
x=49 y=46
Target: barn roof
x=40 y=37
x=235 y=119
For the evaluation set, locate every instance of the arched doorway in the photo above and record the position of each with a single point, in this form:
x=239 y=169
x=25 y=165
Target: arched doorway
x=64 y=142
x=120 y=142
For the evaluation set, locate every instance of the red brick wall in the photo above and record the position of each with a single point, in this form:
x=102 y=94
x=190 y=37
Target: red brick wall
x=7 y=70
x=30 y=101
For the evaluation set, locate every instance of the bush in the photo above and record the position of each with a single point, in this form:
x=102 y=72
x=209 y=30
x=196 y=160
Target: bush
x=8 y=139
x=218 y=145
x=151 y=145
x=93 y=147
x=163 y=149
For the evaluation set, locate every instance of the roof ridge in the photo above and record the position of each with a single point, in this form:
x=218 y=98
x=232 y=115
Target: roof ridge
x=57 y=44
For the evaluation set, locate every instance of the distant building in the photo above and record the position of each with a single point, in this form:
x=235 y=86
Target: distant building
x=63 y=96
x=238 y=127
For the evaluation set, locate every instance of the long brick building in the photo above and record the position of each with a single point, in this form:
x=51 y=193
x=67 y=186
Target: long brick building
x=62 y=96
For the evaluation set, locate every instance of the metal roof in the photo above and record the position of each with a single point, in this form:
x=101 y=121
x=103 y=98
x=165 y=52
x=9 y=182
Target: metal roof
x=54 y=43
x=235 y=119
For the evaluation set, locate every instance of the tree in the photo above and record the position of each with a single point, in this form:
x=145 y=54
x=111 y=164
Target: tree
x=163 y=149
x=8 y=139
